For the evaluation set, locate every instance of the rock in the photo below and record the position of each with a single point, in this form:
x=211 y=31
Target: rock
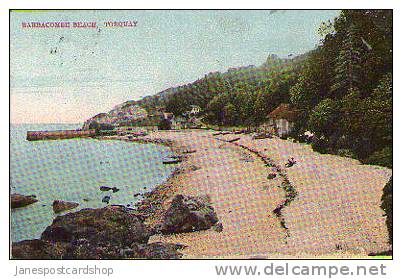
x=109 y=224
x=171 y=161
x=137 y=195
x=188 y=214
x=218 y=227
x=106 y=199
x=38 y=249
x=102 y=233
x=18 y=200
x=291 y=162
x=59 y=206
x=233 y=140
x=58 y=233
x=105 y=188
x=271 y=175
x=157 y=250
x=87 y=234
x=194 y=168
x=262 y=136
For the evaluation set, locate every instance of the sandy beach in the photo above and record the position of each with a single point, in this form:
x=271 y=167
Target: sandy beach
x=336 y=212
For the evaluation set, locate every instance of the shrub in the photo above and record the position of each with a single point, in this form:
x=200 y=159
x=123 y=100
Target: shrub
x=346 y=153
x=382 y=157
x=386 y=205
x=164 y=124
x=320 y=145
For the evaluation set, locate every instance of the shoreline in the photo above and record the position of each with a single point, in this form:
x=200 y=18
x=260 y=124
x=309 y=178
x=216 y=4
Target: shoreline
x=322 y=206
x=282 y=234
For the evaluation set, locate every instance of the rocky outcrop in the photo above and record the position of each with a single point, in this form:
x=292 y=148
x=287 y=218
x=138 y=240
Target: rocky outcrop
x=103 y=233
x=18 y=200
x=59 y=206
x=188 y=214
x=120 y=114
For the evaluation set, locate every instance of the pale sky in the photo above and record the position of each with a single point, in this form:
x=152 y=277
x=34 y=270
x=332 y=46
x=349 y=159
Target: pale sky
x=93 y=71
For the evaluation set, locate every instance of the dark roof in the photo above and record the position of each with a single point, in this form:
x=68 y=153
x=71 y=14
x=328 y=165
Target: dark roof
x=284 y=111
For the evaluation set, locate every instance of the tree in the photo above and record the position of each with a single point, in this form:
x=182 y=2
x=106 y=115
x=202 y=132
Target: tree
x=323 y=118
x=230 y=114
x=377 y=123
x=348 y=68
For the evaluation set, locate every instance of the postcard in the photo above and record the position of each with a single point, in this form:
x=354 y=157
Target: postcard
x=201 y=134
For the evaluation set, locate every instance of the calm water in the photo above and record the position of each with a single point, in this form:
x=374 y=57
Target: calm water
x=73 y=170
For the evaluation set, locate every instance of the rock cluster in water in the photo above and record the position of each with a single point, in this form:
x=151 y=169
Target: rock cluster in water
x=18 y=200
x=116 y=232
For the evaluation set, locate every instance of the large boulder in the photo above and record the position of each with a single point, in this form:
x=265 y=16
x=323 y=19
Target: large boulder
x=18 y=200
x=104 y=233
x=59 y=206
x=109 y=224
x=188 y=214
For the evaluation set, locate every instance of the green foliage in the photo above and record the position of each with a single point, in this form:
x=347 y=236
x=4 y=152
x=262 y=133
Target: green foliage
x=324 y=118
x=344 y=92
x=100 y=126
x=386 y=205
x=320 y=145
x=241 y=96
x=348 y=67
x=381 y=157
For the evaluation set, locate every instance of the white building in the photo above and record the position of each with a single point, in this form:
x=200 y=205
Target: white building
x=195 y=110
x=280 y=121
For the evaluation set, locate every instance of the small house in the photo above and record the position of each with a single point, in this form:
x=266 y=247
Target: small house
x=195 y=110
x=280 y=121
x=168 y=116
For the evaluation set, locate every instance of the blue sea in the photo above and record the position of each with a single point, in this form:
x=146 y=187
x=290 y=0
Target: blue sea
x=73 y=170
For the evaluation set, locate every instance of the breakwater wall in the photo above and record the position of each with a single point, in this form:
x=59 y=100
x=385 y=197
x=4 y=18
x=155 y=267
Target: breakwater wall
x=60 y=134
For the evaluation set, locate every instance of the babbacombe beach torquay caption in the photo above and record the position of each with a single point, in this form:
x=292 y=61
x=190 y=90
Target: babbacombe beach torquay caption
x=79 y=24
